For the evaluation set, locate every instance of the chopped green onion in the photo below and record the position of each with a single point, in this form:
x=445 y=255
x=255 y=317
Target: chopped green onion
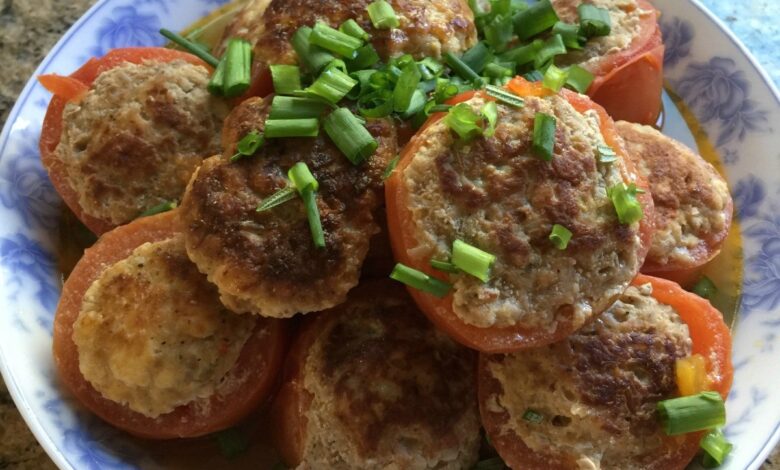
x=238 y=67
x=464 y=121
x=560 y=236
x=352 y=28
x=493 y=463
x=550 y=48
x=494 y=70
x=523 y=54
x=232 y=442
x=544 y=136
x=533 y=76
x=191 y=47
x=705 y=288
x=505 y=96
x=333 y=40
x=472 y=260
x=420 y=281
x=377 y=104
x=439 y=108
x=716 y=449
x=307 y=186
x=365 y=57
x=430 y=68
x=460 y=67
x=286 y=78
x=537 y=18
x=532 y=416
x=391 y=167
x=578 y=79
x=490 y=113
x=302 y=178
x=405 y=87
x=554 y=78
x=313 y=57
x=296 y=107
x=570 y=33
x=445 y=266
x=477 y=57
x=594 y=21
x=606 y=154
x=382 y=15
x=627 y=207
x=216 y=85
x=279 y=128
x=445 y=90
x=416 y=105
x=333 y=85
x=278 y=198
x=349 y=135
x=159 y=209
x=248 y=145
x=499 y=31
x=705 y=410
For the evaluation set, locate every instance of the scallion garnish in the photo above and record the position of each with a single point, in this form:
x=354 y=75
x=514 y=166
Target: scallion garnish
x=464 y=121
x=560 y=236
x=496 y=70
x=365 y=57
x=533 y=76
x=490 y=113
x=498 y=32
x=692 y=413
x=238 y=67
x=472 y=260
x=716 y=449
x=420 y=281
x=313 y=57
x=159 y=209
x=286 y=78
x=554 y=78
x=627 y=206
x=191 y=47
x=333 y=85
x=307 y=187
x=594 y=21
x=278 y=198
x=382 y=15
x=505 y=96
x=296 y=107
x=248 y=145
x=390 y=168
x=460 y=67
x=333 y=40
x=578 y=79
x=445 y=266
x=279 y=128
x=606 y=154
x=405 y=87
x=544 y=136
x=377 y=104
x=349 y=135
x=570 y=33
x=522 y=55
x=445 y=89
x=216 y=84
x=532 y=416
x=430 y=68
x=439 y=108
x=535 y=19
x=550 y=48
x=705 y=288
x=477 y=57
x=352 y=28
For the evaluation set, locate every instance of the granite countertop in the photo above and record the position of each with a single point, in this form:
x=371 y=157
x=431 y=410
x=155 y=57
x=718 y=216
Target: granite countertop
x=28 y=29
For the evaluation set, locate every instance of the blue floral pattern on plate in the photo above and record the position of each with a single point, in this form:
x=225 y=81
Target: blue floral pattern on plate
x=724 y=90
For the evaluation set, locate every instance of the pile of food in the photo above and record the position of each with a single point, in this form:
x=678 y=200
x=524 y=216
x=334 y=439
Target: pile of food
x=253 y=196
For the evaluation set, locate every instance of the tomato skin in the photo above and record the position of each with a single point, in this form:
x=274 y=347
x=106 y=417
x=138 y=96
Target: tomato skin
x=439 y=311
x=260 y=359
x=711 y=338
x=52 y=122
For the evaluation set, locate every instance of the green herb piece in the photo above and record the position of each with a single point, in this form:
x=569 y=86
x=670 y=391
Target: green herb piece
x=536 y=19
x=490 y=113
x=313 y=57
x=532 y=416
x=332 y=85
x=191 y=47
x=365 y=57
x=699 y=412
x=499 y=31
x=570 y=33
x=296 y=107
x=544 y=136
x=333 y=40
x=554 y=78
x=627 y=206
x=278 y=198
x=496 y=70
x=550 y=48
x=280 y=128
x=594 y=21
x=349 y=135
x=705 y=288
x=377 y=104
x=420 y=281
x=464 y=121
x=159 y=209
x=522 y=55
x=238 y=68
x=307 y=187
x=286 y=78
x=477 y=57
x=390 y=167
x=716 y=449
x=382 y=15
x=445 y=266
x=578 y=79
x=560 y=236
x=505 y=96
x=460 y=67
x=472 y=260
x=352 y=28
x=248 y=145
x=405 y=87
x=216 y=85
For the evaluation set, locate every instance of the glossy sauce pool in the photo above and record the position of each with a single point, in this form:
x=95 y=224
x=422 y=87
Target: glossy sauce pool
x=726 y=271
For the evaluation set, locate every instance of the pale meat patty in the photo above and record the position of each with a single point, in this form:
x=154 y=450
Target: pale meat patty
x=137 y=136
x=693 y=205
x=266 y=262
x=152 y=334
x=381 y=388
x=596 y=391
x=495 y=194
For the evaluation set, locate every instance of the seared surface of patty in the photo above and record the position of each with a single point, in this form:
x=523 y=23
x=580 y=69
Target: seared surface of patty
x=596 y=391
x=692 y=201
x=387 y=389
x=428 y=28
x=152 y=334
x=266 y=262
x=137 y=136
x=493 y=193
x=625 y=16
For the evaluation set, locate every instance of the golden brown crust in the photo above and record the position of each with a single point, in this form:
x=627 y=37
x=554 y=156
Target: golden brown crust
x=389 y=391
x=265 y=262
x=692 y=200
x=137 y=136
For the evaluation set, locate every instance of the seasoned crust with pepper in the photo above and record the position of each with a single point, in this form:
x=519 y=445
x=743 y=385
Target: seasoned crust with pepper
x=495 y=194
x=380 y=388
x=596 y=391
x=266 y=262
x=693 y=206
x=137 y=136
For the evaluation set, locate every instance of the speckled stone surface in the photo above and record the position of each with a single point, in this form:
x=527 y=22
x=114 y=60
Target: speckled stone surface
x=29 y=28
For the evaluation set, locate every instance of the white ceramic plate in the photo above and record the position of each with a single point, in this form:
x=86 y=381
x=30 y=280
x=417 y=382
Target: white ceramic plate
x=715 y=76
